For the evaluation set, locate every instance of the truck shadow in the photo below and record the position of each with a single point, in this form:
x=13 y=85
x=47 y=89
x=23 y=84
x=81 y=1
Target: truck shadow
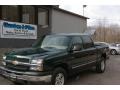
x=80 y=76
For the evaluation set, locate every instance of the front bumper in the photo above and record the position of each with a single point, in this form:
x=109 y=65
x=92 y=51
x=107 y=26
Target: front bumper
x=24 y=77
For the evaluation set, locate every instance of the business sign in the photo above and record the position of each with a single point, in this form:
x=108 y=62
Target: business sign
x=17 y=30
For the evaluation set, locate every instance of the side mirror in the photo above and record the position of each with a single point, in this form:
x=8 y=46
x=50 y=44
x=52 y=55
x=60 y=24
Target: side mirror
x=76 y=47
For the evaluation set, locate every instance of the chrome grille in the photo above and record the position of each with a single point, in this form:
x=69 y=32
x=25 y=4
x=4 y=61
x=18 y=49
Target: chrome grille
x=20 y=67
x=25 y=60
x=17 y=67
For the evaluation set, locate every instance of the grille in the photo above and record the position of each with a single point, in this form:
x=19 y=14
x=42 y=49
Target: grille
x=17 y=67
x=18 y=59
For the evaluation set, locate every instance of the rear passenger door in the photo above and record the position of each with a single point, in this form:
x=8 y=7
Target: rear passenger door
x=89 y=50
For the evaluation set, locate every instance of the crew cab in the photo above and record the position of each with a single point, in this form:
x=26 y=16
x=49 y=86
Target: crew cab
x=53 y=59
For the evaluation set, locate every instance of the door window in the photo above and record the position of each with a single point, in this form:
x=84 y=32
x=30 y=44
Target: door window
x=77 y=40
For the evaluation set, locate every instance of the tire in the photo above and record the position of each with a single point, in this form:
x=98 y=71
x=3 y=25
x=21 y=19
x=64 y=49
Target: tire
x=101 y=66
x=59 y=76
x=113 y=52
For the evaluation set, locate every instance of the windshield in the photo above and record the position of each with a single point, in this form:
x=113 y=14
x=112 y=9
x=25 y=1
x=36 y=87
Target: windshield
x=55 y=41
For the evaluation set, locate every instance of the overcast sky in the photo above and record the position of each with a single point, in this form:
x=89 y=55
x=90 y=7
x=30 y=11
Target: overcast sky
x=108 y=13
x=96 y=10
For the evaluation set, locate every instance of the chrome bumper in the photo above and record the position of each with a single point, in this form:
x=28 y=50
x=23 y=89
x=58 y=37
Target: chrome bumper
x=31 y=78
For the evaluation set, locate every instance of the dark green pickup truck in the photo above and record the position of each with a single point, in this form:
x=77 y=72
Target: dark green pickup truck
x=53 y=59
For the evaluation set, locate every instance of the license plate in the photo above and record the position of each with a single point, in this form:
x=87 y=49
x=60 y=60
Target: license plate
x=12 y=75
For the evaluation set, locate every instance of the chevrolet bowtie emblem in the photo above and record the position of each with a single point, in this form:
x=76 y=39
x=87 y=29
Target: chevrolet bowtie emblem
x=15 y=62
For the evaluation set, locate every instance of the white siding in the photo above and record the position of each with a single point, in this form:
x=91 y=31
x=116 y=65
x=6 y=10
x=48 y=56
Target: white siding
x=67 y=23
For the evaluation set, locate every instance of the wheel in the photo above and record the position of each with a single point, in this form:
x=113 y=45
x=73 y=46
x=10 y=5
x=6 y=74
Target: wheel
x=113 y=52
x=101 y=66
x=59 y=76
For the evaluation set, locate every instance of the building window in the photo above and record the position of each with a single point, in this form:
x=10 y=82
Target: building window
x=28 y=14
x=10 y=13
x=43 y=17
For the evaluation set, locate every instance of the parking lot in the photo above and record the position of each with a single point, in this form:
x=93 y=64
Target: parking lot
x=90 y=77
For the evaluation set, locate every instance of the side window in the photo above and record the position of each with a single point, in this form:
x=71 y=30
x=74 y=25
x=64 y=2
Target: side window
x=28 y=14
x=43 y=17
x=87 y=42
x=10 y=13
x=77 y=40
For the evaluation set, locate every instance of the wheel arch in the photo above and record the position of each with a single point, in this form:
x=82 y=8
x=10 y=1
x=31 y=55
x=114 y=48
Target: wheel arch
x=104 y=55
x=62 y=65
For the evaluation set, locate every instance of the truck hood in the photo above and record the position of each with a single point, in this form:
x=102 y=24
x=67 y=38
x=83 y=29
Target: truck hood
x=35 y=52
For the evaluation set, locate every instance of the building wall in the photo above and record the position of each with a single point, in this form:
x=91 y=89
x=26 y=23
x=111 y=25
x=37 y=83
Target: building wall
x=67 y=23
x=8 y=44
x=21 y=43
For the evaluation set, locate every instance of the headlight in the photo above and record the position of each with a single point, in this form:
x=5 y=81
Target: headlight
x=37 y=65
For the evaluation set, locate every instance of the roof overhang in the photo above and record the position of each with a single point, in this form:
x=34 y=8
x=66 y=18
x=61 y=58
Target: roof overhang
x=65 y=11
